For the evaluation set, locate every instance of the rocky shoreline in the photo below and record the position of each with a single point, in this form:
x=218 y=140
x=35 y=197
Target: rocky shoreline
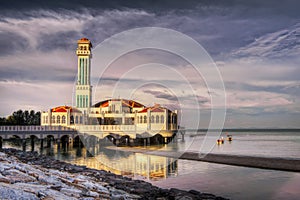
x=27 y=175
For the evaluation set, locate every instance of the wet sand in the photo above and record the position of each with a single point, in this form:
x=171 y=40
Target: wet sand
x=284 y=164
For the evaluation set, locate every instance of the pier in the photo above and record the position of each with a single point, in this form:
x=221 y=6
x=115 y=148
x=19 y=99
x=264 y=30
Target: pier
x=124 y=135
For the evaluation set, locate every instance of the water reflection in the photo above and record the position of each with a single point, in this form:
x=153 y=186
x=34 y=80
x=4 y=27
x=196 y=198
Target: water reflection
x=135 y=165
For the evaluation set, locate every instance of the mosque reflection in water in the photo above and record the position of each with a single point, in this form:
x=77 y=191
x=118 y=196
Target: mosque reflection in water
x=102 y=157
x=135 y=165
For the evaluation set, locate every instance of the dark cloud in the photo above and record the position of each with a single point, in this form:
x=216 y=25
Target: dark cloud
x=162 y=95
x=289 y=7
x=22 y=74
x=220 y=26
x=11 y=43
x=60 y=40
x=283 y=89
x=173 y=98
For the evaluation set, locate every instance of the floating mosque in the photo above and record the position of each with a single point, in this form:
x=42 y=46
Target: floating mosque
x=115 y=118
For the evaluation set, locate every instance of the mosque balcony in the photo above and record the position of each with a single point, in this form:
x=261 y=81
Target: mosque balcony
x=83 y=52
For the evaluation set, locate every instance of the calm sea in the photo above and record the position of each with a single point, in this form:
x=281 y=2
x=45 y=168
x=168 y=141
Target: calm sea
x=224 y=180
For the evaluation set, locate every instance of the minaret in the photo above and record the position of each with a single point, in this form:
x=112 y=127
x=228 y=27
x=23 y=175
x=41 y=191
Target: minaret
x=83 y=86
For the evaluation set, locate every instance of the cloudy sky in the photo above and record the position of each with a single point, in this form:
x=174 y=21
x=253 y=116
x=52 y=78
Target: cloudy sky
x=255 y=44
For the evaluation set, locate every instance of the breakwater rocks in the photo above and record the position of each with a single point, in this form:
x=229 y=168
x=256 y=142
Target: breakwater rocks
x=27 y=175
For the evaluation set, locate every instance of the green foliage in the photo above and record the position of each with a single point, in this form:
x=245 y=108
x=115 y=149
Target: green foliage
x=21 y=117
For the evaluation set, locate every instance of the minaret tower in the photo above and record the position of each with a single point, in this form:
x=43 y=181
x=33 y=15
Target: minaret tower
x=83 y=86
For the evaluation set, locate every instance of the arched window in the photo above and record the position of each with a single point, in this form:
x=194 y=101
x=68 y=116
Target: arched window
x=58 y=119
x=72 y=119
x=80 y=120
x=162 y=119
x=157 y=119
x=46 y=119
x=141 y=119
x=53 y=119
x=152 y=119
x=76 y=120
x=63 y=119
x=145 y=119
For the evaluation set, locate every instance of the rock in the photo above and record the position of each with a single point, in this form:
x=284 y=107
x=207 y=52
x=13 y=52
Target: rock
x=3 y=179
x=91 y=194
x=71 y=192
x=12 y=193
x=17 y=176
x=195 y=192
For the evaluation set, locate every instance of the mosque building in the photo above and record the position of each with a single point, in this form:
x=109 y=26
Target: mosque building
x=111 y=116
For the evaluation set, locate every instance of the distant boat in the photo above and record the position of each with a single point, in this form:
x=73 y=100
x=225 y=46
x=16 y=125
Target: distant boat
x=220 y=141
x=229 y=138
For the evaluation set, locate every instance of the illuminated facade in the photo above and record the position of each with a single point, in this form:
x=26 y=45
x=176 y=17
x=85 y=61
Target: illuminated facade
x=112 y=116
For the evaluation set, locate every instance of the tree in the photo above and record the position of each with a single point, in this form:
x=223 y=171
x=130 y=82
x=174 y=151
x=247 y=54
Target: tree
x=3 y=121
x=22 y=118
x=26 y=117
x=19 y=117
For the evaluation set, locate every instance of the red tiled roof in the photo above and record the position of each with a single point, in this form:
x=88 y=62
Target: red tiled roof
x=153 y=109
x=105 y=104
x=64 y=109
x=125 y=103
x=144 y=110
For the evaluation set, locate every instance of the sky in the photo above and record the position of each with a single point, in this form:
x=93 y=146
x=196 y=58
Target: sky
x=255 y=45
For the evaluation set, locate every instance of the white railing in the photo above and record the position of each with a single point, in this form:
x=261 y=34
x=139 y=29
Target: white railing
x=105 y=128
x=34 y=128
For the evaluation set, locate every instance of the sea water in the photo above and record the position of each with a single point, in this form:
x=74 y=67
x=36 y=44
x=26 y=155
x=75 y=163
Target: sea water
x=224 y=180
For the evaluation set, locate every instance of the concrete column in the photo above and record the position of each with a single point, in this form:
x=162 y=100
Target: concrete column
x=88 y=71
x=85 y=71
x=166 y=119
x=131 y=141
x=81 y=71
x=42 y=143
x=58 y=143
x=148 y=119
x=24 y=144
x=32 y=143
x=48 y=142
x=123 y=118
x=49 y=117
x=78 y=72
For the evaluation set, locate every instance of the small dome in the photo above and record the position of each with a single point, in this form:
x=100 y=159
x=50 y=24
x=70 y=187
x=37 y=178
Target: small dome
x=84 y=41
